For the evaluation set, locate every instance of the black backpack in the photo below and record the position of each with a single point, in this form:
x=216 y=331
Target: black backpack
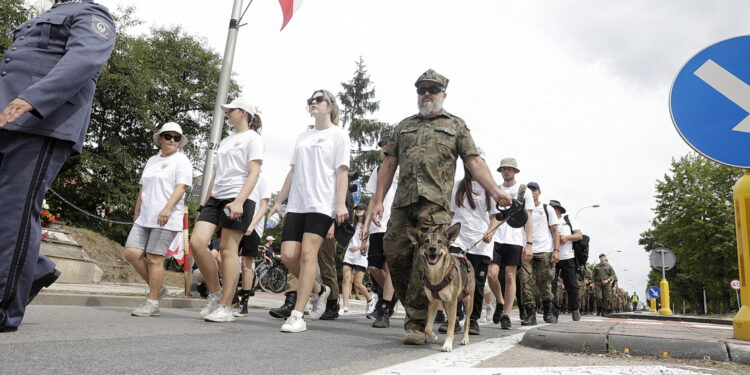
x=580 y=248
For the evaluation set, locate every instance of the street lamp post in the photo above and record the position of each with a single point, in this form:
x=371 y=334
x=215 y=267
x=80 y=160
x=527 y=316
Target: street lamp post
x=579 y=211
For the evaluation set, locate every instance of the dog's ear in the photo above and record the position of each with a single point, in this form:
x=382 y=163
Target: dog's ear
x=453 y=232
x=414 y=235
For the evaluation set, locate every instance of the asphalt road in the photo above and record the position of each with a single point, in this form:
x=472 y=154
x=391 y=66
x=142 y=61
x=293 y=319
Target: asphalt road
x=107 y=340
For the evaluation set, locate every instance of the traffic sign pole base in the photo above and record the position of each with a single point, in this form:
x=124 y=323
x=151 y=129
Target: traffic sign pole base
x=741 y=324
x=664 y=289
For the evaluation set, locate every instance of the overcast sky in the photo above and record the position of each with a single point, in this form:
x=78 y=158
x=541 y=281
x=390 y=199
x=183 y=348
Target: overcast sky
x=576 y=90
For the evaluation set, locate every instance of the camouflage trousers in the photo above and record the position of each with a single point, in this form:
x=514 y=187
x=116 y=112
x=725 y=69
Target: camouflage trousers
x=603 y=295
x=327 y=267
x=536 y=278
x=401 y=255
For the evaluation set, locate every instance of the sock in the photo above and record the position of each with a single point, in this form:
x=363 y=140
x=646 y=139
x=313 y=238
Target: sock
x=152 y=301
x=385 y=304
x=297 y=314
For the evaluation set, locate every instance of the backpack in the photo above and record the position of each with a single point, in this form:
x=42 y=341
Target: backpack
x=580 y=248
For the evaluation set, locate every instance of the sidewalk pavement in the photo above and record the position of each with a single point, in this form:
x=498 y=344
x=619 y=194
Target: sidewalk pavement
x=683 y=338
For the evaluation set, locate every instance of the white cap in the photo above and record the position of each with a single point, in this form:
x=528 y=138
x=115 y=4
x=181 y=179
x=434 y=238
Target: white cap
x=242 y=104
x=270 y=238
x=171 y=127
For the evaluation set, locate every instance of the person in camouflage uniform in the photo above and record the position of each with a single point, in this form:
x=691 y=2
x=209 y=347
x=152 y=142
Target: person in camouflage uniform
x=604 y=276
x=425 y=147
x=583 y=279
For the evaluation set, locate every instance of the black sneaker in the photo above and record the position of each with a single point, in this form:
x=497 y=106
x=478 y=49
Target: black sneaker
x=332 y=310
x=382 y=321
x=440 y=317
x=473 y=327
x=505 y=322
x=444 y=327
x=576 y=315
x=498 y=313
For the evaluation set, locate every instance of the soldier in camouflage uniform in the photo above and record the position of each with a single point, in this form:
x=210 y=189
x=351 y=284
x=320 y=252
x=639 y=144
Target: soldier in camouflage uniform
x=583 y=279
x=604 y=276
x=425 y=147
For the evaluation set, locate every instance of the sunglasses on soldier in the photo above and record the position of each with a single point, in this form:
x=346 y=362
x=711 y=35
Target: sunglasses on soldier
x=432 y=90
x=170 y=137
x=318 y=99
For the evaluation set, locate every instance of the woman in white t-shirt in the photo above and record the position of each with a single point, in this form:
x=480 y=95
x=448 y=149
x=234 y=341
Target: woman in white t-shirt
x=159 y=212
x=355 y=264
x=473 y=208
x=316 y=186
x=251 y=241
x=229 y=207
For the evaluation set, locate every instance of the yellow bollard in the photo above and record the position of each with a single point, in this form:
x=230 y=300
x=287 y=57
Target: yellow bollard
x=741 y=192
x=653 y=305
x=664 y=286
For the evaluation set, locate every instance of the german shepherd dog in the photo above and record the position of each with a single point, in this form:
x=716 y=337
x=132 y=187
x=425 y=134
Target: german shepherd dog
x=447 y=278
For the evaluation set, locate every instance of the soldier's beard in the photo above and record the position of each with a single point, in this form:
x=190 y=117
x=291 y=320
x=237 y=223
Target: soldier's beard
x=429 y=108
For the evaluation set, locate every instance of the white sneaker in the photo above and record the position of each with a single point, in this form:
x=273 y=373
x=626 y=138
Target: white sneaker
x=148 y=308
x=163 y=292
x=221 y=314
x=371 y=305
x=294 y=323
x=212 y=301
x=344 y=311
x=318 y=303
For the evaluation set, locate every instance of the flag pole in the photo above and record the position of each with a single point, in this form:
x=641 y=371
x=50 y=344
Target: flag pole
x=221 y=97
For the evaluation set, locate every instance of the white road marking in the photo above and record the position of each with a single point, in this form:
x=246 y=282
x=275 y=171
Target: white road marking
x=729 y=328
x=642 y=322
x=729 y=85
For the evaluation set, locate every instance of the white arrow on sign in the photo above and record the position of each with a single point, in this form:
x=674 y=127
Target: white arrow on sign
x=729 y=85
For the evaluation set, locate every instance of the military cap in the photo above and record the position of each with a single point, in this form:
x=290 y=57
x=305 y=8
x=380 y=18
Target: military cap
x=433 y=76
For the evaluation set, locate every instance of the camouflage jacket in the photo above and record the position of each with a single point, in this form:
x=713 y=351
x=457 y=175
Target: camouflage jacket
x=427 y=150
x=603 y=272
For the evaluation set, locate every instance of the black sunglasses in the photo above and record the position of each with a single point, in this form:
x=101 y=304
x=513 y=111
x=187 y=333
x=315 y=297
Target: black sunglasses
x=432 y=90
x=170 y=137
x=318 y=99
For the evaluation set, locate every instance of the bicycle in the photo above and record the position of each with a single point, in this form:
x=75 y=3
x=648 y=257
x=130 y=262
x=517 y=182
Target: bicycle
x=271 y=273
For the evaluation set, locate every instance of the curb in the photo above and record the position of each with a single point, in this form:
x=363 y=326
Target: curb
x=674 y=318
x=588 y=342
x=68 y=299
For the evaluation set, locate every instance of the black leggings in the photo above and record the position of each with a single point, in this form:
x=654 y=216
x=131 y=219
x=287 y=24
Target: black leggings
x=567 y=270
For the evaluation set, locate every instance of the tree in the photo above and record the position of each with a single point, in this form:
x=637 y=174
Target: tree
x=694 y=217
x=358 y=101
x=165 y=76
x=12 y=14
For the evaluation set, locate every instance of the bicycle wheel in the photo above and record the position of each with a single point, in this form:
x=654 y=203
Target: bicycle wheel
x=277 y=279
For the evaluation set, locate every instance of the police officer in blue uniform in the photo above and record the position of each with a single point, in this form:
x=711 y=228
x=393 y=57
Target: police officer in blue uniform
x=47 y=82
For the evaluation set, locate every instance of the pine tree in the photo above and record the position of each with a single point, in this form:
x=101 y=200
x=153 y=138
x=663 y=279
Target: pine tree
x=358 y=102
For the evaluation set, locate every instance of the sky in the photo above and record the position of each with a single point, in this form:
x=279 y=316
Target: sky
x=576 y=91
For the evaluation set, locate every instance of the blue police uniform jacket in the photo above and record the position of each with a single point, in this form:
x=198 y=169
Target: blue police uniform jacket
x=53 y=64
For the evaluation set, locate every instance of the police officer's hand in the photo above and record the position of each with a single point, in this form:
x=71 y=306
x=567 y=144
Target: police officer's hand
x=13 y=111
x=164 y=215
x=502 y=198
x=235 y=209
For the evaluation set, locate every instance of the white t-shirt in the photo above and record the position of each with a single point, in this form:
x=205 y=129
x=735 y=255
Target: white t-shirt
x=474 y=222
x=372 y=185
x=317 y=155
x=542 y=235
x=159 y=179
x=566 y=249
x=507 y=234
x=260 y=192
x=355 y=257
x=232 y=158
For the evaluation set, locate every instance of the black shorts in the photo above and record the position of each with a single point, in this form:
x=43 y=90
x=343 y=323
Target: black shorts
x=297 y=224
x=375 y=255
x=355 y=267
x=249 y=245
x=213 y=212
x=507 y=255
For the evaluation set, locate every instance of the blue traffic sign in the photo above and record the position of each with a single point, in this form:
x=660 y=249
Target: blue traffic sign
x=710 y=102
x=654 y=292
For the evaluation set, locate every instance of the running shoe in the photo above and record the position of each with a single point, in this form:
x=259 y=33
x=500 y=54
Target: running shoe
x=318 y=302
x=212 y=301
x=148 y=308
x=294 y=323
x=221 y=314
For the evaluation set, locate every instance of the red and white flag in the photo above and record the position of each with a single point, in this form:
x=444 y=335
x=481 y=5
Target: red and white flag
x=176 y=249
x=288 y=7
